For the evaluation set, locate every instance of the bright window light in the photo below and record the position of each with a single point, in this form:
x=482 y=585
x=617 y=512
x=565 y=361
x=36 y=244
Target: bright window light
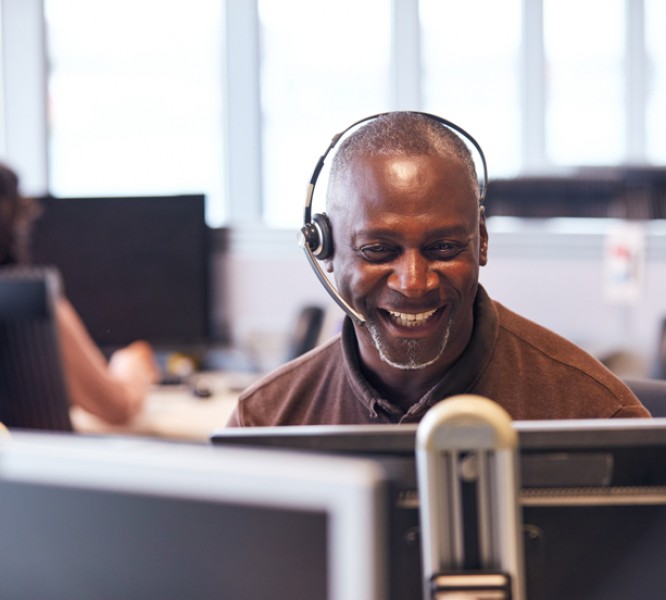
x=655 y=19
x=324 y=66
x=585 y=99
x=135 y=98
x=471 y=68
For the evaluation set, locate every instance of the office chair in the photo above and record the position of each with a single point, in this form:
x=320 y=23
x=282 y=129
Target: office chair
x=651 y=393
x=305 y=333
x=33 y=391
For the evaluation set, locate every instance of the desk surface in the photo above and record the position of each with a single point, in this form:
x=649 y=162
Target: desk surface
x=173 y=411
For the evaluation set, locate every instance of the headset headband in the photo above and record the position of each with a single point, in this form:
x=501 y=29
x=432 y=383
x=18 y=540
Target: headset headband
x=462 y=133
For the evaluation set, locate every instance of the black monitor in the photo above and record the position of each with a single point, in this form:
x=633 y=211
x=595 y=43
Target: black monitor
x=593 y=498
x=118 y=518
x=594 y=509
x=134 y=268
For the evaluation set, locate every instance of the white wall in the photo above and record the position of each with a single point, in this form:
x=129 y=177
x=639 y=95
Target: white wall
x=558 y=280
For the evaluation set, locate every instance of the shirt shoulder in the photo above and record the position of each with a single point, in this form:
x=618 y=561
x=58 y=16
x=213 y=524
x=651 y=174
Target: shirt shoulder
x=542 y=375
x=290 y=394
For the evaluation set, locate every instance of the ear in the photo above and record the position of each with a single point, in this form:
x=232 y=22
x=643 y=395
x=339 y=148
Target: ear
x=483 y=237
x=328 y=265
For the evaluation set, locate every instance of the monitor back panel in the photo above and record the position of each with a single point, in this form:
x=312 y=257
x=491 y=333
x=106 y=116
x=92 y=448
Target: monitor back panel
x=114 y=518
x=134 y=268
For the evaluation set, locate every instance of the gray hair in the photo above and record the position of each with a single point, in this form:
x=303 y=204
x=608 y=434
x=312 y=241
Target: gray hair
x=400 y=134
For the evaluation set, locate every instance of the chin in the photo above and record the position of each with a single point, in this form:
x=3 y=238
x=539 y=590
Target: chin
x=408 y=354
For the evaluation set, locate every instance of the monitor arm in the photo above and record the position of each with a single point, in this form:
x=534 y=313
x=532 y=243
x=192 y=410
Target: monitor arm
x=468 y=487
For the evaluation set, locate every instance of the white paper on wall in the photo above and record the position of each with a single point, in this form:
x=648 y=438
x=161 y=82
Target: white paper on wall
x=624 y=264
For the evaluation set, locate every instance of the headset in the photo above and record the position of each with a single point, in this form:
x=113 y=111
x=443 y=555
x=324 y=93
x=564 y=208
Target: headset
x=316 y=235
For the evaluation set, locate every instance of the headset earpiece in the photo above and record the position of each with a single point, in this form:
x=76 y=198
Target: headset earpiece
x=318 y=236
x=324 y=248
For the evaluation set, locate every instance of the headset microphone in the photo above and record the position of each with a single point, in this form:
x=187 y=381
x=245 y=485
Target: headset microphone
x=316 y=238
x=325 y=281
x=315 y=235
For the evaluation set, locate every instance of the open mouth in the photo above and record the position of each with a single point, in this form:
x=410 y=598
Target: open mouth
x=410 y=319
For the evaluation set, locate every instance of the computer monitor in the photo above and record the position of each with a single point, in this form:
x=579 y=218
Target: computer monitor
x=392 y=448
x=594 y=509
x=118 y=518
x=592 y=493
x=133 y=267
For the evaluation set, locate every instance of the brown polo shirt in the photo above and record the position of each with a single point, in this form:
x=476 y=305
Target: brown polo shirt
x=530 y=371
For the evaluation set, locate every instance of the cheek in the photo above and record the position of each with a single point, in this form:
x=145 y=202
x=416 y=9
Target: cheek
x=469 y=271
x=355 y=279
x=461 y=276
x=349 y=279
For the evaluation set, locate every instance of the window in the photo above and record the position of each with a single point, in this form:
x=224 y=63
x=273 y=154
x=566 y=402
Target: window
x=584 y=112
x=324 y=66
x=655 y=18
x=135 y=98
x=138 y=99
x=471 y=73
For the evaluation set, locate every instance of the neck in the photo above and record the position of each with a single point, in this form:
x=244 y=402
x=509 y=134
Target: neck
x=403 y=388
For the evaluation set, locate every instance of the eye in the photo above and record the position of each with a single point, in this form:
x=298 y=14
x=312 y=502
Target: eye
x=444 y=250
x=377 y=253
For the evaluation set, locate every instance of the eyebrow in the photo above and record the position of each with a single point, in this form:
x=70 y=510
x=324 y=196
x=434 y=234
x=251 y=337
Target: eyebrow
x=454 y=230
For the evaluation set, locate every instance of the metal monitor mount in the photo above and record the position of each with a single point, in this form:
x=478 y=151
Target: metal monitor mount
x=466 y=453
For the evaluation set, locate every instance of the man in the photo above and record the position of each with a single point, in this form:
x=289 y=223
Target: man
x=409 y=236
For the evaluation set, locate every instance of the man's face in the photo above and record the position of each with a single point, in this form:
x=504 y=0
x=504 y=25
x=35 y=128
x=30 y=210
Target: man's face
x=409 y=239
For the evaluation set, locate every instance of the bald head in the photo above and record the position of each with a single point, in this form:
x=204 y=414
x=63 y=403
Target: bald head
x=397 y=134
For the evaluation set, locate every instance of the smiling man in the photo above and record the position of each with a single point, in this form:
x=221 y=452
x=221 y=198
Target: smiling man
x=408 y=237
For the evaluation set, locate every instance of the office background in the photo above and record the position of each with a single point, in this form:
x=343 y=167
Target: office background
x=237 y=99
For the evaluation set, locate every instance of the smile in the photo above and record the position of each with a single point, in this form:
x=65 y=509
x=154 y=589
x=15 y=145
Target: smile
x=410 y=319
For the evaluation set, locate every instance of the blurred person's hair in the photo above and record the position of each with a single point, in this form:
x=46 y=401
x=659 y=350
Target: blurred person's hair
x=17 y=214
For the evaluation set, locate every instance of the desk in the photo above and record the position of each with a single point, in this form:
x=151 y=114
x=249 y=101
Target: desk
x=173 y=411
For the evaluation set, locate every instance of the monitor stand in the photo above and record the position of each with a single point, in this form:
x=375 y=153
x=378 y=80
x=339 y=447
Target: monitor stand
x=466 y=458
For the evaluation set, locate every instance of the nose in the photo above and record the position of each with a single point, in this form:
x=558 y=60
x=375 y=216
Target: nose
x=412 y=275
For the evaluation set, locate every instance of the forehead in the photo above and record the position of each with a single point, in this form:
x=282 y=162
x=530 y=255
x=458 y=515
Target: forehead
x=403 y=188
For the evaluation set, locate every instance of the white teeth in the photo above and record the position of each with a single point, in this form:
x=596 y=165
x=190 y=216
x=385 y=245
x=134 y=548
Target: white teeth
x=409 y=319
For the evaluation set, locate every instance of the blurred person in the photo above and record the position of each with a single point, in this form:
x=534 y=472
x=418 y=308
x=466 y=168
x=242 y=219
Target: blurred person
x=112 y=390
